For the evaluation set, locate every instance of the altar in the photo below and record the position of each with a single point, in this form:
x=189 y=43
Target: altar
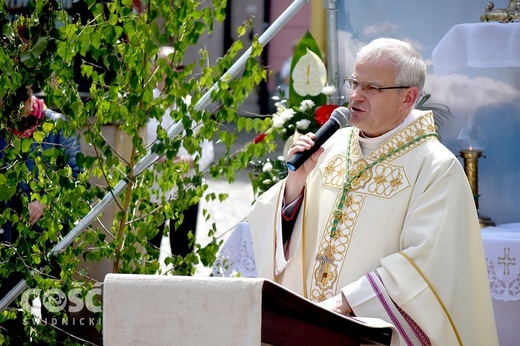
x=477 y=45
x=502 y=248
x=491 y=45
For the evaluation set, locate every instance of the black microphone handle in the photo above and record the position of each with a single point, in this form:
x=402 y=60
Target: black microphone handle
x=324 y=133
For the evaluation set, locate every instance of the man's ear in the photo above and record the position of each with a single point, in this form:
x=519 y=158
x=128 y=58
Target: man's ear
x=412 y=94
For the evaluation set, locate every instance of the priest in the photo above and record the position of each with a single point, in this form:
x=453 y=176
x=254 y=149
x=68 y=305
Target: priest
x=381 y=222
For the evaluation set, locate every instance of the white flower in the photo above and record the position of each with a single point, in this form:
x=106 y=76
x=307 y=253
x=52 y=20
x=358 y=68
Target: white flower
x=329 y=90
x=267 y=167
x=306 y=105
x=287 y=114
x=282 y=114
x=303 y=124
x=309 y=75
x=267 y=182
x=281 y=105
x=278 y=122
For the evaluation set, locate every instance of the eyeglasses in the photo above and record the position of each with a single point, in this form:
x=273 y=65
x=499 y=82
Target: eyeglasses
x=369 y=87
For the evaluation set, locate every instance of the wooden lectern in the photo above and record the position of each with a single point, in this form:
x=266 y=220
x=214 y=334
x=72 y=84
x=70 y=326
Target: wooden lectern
x=180 y=310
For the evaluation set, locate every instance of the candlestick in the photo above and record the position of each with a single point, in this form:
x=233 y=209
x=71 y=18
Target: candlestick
x=471 y=157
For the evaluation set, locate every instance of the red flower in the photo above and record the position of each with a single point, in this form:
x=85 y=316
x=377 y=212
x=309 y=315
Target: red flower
x=322 y=113
x=259 y=138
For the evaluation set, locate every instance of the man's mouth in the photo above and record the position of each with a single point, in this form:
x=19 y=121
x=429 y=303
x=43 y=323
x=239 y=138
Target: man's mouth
x=355 y=109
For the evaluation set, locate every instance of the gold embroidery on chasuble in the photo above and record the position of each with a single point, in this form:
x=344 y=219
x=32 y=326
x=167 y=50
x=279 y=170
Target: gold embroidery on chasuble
x=333 y=250
x=382 y=180
x=387 y=181
x=334 y=172
x=331 y=255
x=417 y=128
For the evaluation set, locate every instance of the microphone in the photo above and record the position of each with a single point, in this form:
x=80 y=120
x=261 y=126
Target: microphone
x=340 y=117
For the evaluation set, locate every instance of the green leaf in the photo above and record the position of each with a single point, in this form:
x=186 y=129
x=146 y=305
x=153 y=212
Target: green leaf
x=95 y=39
x=87 y=70
x=6 y=192
x=25 y=57
x=26 y=145
x=39 y=136
x=39 y=47
x=47 y=127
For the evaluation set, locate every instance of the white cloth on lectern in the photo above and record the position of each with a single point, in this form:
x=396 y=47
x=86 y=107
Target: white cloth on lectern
x=180 y=310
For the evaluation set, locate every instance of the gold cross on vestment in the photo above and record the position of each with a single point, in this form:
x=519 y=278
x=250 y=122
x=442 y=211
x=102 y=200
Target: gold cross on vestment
x=323 y=270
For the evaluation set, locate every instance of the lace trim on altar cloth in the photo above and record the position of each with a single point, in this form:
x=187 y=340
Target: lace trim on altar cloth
x=236 y=257
x=502 y=249
x=503 y=281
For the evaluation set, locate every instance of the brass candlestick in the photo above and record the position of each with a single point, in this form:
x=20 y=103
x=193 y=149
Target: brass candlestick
x=471 y=168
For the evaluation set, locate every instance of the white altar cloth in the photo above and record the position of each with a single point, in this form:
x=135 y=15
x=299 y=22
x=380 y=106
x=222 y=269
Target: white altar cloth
x=478 y=45
x=502 y=248
x=236 y=255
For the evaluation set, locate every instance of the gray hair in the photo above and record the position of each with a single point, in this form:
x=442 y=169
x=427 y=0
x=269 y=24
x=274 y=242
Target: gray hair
x=410 y=66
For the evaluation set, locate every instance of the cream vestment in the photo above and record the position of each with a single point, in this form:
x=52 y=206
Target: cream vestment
x=407 y=247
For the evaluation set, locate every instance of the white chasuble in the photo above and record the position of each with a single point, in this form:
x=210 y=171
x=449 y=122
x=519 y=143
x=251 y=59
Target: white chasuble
x=406 y=229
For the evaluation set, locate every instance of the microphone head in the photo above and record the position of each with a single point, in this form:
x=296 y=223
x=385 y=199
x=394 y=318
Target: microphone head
x=341 y=115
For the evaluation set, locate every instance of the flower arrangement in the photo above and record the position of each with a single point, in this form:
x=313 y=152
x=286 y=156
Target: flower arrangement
x=306 y=109
x=306 y=117
x=308 y=105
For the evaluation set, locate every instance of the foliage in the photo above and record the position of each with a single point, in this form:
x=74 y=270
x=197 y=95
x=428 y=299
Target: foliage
x=266 y=173
x=116 y=47
x=26 y=49
x=440 y=111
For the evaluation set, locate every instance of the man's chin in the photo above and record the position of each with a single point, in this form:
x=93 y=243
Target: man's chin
x=356 y=121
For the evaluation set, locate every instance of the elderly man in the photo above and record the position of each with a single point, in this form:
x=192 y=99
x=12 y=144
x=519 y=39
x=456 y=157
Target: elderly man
x=380 y=222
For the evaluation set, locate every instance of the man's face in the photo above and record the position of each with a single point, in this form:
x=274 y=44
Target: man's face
x=377 y=112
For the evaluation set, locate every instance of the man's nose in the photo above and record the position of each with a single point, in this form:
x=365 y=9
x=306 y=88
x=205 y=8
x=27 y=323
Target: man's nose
x=356 y=93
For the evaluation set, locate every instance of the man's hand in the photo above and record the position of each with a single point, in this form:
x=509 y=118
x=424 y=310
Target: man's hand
x=296 y=179
x=35 y=211
x=337 y=304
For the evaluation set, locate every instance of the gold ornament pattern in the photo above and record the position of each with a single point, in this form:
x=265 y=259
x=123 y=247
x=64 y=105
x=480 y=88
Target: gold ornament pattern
x=368 y=176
